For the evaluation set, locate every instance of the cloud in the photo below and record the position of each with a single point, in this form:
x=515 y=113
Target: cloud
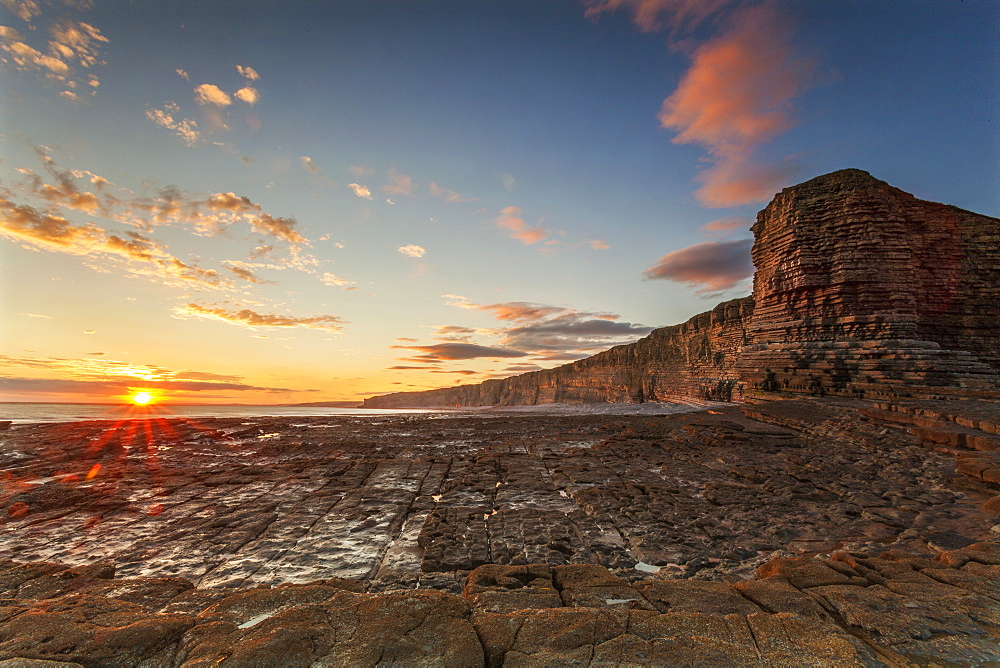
x=399 y=184
x=212 y=94
x=35 y=315
x=183 y=74
x=168 y=117
x=360 y=191
x=597 y=244
x=23 y=9
x=726 y=224
x=248 y=73
x=737 y=95
x=47 y=223
x=412 y=250
x=510 y=219
x=143 y=256
x=460 y=351
x=72 y=49
x=86 y=375
x=248 y=94
x=521 y=368
x=114 y=386
x=359 y=170
x=712 y=266
x=335 y=281
x=247 y=275
x=656 y=15
x=307 y=164
x=541 y=329
x=449 y=196
x=252 y=319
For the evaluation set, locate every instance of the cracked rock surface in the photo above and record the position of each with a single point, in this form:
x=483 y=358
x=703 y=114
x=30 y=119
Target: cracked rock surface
x=806 y=532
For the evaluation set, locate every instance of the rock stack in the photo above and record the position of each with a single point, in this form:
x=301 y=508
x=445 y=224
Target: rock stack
x=860 y=290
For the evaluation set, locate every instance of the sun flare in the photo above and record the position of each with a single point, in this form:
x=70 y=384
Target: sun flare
x=142 y=398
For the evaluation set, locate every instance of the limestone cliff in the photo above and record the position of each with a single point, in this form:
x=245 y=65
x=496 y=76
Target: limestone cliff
x=863 y=289
x=860 y=289
x=693 y=359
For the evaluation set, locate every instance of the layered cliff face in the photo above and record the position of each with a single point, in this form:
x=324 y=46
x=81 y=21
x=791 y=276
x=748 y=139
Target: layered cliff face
x=692 y=360
x=860 y=289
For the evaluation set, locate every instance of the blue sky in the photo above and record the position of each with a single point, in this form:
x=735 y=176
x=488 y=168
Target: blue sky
x=303 y=201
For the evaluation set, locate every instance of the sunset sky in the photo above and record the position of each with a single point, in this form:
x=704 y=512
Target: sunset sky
x=271 y=201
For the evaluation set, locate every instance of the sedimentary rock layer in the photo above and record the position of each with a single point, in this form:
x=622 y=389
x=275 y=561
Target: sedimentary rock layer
x=691 y=360
x=860 y=289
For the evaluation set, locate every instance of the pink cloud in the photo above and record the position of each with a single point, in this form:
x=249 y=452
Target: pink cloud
x=712 y=266
x=510 y=219
x=736 y=96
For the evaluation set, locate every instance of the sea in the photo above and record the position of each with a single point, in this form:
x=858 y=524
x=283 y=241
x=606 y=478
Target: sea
x=21 y=412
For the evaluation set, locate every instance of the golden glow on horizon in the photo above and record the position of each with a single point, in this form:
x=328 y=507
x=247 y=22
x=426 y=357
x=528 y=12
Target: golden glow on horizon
x=142 y=398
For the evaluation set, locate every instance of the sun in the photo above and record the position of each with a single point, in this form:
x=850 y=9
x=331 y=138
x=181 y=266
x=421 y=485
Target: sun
x=141 y=398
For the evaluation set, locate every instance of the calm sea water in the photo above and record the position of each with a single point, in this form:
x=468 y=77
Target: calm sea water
x=25 y=412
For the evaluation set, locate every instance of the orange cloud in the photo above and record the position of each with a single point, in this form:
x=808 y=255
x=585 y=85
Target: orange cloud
x=212 y=94
x=511 y=219
x=72 y=45
x=252 y=319
x=142 y=255
x=712 y=266
x=736 y=96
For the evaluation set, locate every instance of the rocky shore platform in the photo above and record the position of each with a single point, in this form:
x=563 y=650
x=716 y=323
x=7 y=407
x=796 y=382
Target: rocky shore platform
x=814 y=531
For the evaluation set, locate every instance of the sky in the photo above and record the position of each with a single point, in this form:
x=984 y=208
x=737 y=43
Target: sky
x=279 y=201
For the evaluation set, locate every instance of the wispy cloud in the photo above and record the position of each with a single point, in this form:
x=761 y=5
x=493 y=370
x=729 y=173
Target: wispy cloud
x=412 y=250
x=142 y=255
x=398 y=184
x=539 y=331
x=712 y=266
x=108 y=376
x=58 y=194
x=726 y=225
x=657 y=15
x=736 y=96
x=248 y=318
x=460 y=351
x=170 y=118
x=511 y=218
x=308 y=164
x=447 y=195
x=336 y=281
